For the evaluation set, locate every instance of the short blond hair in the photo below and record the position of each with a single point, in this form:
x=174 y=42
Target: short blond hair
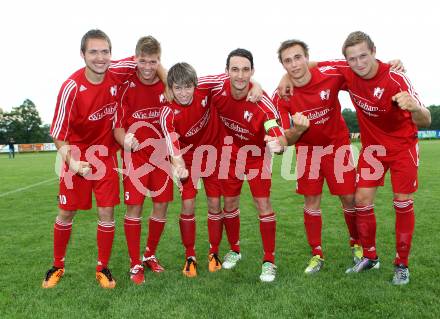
x=357 y=37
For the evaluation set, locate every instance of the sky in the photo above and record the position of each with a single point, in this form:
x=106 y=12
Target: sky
x=41 y=39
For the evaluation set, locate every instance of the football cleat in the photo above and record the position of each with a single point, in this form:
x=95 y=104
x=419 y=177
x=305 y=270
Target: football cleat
x=315 y=265
x=53 y=276
x=363 y=265
x=153 y=263
x=357 y=253
x=401 y=275
x=214 y=263
x=190 y=268
x=137 y=274
x=105 y=279
x=268 y=272
x=231 y=259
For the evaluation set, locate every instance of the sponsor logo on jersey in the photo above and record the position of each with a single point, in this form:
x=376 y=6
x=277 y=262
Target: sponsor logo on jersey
x=132 y=84
x=199 y=125
x=176 y=112
x=147 y=113
x=113 y=90
x=82 y=88
x=366 y=108
x=242 y=137
x=108 y=109
x=317 y=114
x=325 y=95
x=234 y=126
x=224 y=93
x=378 y=92
x=247 y=115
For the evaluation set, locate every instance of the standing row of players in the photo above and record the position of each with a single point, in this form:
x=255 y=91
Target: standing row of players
x=218 y=116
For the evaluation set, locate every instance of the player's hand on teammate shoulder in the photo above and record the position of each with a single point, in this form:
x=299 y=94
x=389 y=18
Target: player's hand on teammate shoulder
x=406 y=102
x=285 y=87
x=255 y=94
x=397 y=65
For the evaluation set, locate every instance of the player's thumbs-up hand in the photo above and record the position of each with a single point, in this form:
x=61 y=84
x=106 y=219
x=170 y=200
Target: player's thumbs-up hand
x=300 y=122
x=406 y=102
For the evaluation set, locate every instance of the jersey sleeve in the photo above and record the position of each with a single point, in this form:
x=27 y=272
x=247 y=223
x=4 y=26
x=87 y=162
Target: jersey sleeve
x=168 y=130
x=282 y=107
x=404 y=84
x=121 y=111
x=63 y=111
x=211 y=82
x=271 y=116
x=123 y=69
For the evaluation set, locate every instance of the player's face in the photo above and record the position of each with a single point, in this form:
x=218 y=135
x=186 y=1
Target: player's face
x=183 y=94
x=361 y=60
x=97 y=55
x=240 y=72
x=295 y=62
x=147 y=65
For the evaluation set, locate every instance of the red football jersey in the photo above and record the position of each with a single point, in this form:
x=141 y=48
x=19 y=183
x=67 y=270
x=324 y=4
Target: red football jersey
x=195 y=124
x=381 y=121
x=244 y=120
x=84 y=112
x=139 y=110
x=318 y=100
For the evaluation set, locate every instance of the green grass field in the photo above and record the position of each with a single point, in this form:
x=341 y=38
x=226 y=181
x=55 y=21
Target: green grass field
x=28 y=189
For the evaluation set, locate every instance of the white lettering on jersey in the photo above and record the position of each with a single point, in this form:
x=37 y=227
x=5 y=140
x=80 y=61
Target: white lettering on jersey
x=199 y=125
x=147 y=113
x=108 y=109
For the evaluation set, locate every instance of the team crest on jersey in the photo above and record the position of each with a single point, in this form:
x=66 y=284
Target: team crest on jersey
x=82 y=88
x=325 y=95
x=204 y=101
x=113 y=90
x=248 y=116
x=162 y=98
x=132 y=85
x=378 y=92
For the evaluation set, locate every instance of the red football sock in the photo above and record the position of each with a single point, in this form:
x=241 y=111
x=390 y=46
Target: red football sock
x=61 y=236
x=215 y=231
x=232 y=227
x=405 y=221
x=188 y=233
x=155 y=229
x=132 y=229
x=350 y=220
x=104 y=236
x=366 y=225
x=313 y=225
x=268 y=227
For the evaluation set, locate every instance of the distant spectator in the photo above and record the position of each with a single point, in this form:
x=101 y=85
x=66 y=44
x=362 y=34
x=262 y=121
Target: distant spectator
x=11 y=148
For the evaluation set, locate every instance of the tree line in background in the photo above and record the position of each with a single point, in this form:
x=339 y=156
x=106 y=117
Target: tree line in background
x=24 y=124
x=353 y=126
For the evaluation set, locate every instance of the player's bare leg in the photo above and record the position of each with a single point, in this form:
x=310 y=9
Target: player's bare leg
x=61 y=236
x=232 y=226
x=366 y=226
x=105 y=235
x=215 y=231
x=187 y=225
x=156 y=225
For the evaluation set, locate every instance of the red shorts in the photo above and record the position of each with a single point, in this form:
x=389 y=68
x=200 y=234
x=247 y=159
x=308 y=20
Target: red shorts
x=142 y=178
x=257 y=171
x=201 y=166
x=403 y=166
x=316 y=163
x=76 y=191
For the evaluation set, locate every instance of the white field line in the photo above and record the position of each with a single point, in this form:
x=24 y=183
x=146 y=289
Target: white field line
x=28 y=187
